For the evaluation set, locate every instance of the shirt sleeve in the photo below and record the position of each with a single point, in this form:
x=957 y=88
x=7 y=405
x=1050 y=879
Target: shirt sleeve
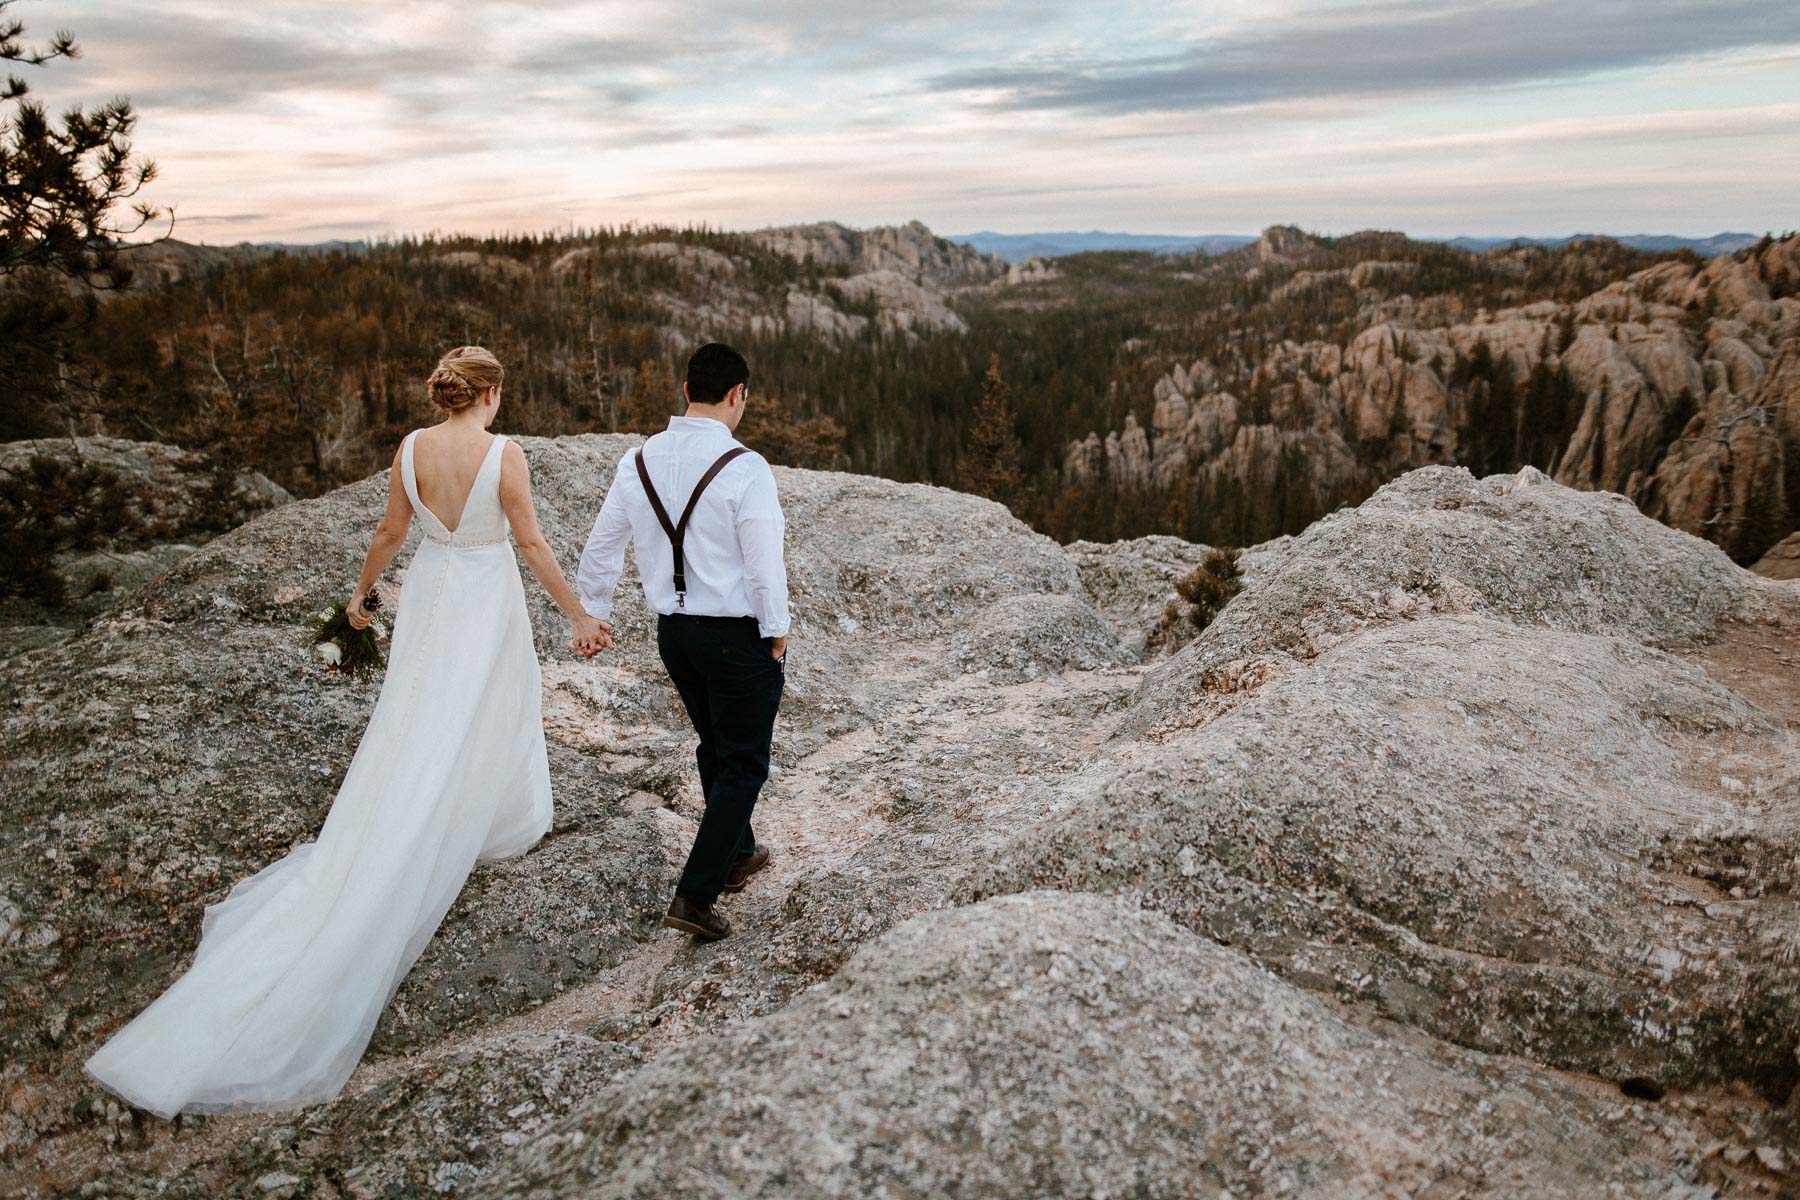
x=603 y=559
x=760 y=528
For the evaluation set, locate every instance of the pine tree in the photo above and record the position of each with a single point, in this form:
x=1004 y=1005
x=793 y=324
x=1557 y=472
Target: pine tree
x=649 y=403
x=62 y=184
x=816 y=443
x=990 y=458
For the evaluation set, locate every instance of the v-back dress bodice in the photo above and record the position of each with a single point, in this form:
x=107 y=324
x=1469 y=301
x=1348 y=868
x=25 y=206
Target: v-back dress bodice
x=297 y=963
x=483 y=521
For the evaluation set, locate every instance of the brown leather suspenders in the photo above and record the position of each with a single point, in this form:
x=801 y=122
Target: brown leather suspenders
x=678 y=530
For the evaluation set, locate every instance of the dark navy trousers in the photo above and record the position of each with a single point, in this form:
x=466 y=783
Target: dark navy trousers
x=731 y=686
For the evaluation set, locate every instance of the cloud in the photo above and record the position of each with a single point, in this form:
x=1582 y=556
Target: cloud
x=1386 y=50
x=575 y=55
x=192 y=60
x=224 y=218
x=296 y=117
x=1660 y=129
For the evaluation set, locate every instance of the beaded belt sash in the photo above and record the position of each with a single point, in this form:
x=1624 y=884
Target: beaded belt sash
x=465 y=543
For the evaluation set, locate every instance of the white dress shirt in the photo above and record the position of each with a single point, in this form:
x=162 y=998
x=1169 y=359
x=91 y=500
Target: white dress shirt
x=733 y=540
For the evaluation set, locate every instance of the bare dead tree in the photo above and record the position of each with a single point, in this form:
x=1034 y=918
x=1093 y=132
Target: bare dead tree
x=1721 y=434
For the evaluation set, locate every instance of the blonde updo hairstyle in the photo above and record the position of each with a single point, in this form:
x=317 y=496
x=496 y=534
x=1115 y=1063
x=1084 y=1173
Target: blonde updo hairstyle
x=461 y=376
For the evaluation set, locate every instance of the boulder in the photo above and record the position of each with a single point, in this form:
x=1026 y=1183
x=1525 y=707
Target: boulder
x=1022 y=636
x=1518 y=548
x=1131 y=582
x=1781 y=562
x=1493 y=832
x=174 y=499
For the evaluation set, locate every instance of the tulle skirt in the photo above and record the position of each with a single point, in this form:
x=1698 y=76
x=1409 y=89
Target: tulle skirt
x=296 y=964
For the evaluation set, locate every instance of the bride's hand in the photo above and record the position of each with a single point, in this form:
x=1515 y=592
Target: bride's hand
x=358 y=615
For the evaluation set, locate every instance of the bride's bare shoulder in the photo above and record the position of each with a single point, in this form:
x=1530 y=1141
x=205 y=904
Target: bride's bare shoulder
x=515 y=477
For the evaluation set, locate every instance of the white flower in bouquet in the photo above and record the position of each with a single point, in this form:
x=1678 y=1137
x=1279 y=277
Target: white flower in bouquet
x=343 y=647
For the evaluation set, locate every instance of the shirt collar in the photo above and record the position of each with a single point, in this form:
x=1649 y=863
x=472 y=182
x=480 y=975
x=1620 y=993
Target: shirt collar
x=699 y=423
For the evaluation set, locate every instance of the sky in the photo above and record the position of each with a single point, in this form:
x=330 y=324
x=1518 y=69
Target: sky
x=275 y=120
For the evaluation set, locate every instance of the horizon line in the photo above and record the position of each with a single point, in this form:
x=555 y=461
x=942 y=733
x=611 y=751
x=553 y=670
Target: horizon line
x=572 y=231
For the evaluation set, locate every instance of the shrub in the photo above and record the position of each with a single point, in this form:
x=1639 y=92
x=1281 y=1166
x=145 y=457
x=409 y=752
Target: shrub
x=1209 y=587
x=1204 y=591
x=49 y=506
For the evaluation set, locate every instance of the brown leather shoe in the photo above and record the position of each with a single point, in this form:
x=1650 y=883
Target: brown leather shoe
x=701 y=920
x=747 y=866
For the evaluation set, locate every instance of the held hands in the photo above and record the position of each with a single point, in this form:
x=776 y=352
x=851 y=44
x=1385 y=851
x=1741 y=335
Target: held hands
x=588 y=635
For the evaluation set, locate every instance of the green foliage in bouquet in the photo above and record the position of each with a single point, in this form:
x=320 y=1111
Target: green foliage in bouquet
x=352 y=651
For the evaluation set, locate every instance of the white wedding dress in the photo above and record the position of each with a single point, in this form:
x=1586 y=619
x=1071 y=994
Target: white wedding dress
x=296 y=964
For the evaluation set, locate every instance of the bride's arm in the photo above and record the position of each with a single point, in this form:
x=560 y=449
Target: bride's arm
x=390 y=535
x=515 y=499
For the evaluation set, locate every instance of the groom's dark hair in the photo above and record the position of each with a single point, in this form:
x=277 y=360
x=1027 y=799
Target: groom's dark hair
x=715 y=369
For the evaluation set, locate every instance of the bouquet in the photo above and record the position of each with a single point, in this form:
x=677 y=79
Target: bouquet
x=343 y=647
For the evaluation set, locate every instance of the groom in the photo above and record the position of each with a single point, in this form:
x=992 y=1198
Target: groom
x=716 y=579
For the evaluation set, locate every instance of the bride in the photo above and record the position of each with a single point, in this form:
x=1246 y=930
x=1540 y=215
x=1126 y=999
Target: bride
x=296 y=964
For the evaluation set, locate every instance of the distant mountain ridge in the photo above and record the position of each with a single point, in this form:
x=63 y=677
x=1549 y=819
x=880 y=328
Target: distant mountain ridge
x=1657 y=243
x=1016 y=247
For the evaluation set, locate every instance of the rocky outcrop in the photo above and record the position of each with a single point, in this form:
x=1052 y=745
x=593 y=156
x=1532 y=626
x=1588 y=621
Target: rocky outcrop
x=170 y=488
x=1050 y=1044
x=1431 y=741
x=899 y=278
x=892 y=301
x=901 y=305
x=1677 y=387
x=1132 y=582
x=1515 y=548
x=1029 y=271
x=1284 y=241
x=1478 y=804
x=169 y=501
x=168 y=260
x=1782 y=561
x=911 y=250
x=1024 y=636
x=190 y=738
x=1426 y=819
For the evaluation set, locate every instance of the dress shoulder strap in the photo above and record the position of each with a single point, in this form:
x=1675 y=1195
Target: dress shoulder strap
x=409 y=475
x=494 y=453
